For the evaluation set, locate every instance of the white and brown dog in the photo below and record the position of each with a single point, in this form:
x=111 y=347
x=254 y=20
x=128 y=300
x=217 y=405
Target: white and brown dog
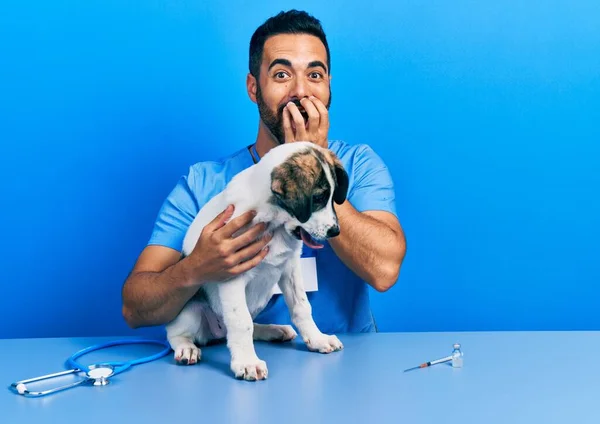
x=292 y=189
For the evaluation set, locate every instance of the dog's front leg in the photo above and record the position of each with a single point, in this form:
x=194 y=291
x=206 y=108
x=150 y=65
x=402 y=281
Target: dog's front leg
x=292 y=287
x=245 y=364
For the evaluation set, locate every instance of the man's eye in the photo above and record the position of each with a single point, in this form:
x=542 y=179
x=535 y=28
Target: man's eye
x=315 y=75
x=280 y=74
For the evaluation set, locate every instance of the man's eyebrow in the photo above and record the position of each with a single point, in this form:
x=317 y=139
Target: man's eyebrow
x=286 y=62
x=280 y=61
x=316 y=63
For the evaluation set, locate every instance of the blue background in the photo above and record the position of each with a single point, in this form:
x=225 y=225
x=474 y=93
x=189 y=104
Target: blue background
x=487 y=113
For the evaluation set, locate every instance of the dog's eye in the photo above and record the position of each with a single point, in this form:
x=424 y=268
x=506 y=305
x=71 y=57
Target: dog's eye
x=320 y=198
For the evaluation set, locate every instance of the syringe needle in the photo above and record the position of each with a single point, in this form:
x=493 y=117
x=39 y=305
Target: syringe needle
x=416 y=368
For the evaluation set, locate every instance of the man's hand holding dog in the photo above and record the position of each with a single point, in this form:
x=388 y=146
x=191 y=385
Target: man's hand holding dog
x=316 y=126
x=219 y=255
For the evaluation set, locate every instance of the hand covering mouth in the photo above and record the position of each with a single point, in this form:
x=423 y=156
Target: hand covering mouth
x=302 y=112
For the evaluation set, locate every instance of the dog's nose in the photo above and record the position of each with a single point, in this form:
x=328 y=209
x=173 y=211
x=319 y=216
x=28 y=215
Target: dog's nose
x=333 y=231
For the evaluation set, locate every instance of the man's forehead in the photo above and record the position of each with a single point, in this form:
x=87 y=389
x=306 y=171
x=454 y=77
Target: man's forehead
x=299 y=49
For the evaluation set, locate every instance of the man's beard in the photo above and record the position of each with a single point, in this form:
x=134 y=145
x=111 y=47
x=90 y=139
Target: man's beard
x=274 y=121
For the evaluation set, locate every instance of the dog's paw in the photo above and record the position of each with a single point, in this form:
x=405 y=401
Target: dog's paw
x=324 y=343
x=187 y=354
x=274 y=333
x=283 y=333
x=250 y=370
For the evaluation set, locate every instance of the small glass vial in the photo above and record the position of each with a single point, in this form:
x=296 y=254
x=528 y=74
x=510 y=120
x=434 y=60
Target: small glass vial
x=457 y=356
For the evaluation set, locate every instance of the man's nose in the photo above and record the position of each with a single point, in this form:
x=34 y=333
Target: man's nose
x=333 y=231
x=299 y=89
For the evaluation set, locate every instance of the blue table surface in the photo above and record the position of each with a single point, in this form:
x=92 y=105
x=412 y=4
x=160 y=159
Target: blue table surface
x=507 y=377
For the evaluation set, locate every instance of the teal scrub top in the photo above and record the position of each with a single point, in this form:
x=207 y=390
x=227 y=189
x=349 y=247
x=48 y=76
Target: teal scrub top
x=341 y=304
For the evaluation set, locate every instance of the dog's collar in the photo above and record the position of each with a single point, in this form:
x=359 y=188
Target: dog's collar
x=254 y=153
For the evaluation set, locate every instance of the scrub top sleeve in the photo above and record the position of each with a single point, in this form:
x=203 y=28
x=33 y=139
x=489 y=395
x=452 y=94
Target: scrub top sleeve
x=176 y=214
x=373 y=187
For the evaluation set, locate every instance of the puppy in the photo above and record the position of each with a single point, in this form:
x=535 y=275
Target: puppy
x=292 y=189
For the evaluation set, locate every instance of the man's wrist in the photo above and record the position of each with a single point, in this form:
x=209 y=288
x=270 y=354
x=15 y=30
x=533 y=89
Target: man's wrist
x=190 y=277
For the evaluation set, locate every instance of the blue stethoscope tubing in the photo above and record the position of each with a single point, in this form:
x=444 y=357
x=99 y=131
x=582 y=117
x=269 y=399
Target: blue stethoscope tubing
x=119 y=366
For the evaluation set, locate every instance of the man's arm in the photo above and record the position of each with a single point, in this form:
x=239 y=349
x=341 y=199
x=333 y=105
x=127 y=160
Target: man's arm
x=157 y=288
x=371 y=244
x=160 y=284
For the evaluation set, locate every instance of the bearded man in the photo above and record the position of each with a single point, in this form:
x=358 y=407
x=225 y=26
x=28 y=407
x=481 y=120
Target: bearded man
x=289 y=80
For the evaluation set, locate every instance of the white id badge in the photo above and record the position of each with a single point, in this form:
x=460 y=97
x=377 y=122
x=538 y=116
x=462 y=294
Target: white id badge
x=309 y=275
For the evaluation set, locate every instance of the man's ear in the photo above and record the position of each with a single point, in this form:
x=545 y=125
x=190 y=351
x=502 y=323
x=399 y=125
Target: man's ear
x=251 y=86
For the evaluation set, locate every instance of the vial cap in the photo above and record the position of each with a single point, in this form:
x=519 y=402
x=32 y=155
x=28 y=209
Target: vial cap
x=456 y=345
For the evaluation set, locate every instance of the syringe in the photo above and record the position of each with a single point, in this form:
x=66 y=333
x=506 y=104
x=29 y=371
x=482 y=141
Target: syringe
x=456 y=359
x=430 y=363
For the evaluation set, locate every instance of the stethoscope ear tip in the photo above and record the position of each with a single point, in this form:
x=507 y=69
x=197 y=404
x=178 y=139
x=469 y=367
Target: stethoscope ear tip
x=21 y=388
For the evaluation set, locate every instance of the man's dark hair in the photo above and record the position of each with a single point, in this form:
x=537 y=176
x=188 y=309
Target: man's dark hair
x=290 y=22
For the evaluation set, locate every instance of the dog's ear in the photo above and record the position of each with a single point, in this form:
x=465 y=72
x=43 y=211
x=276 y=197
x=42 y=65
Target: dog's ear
x=340 y=177
x=341 y=184
x=290 y=191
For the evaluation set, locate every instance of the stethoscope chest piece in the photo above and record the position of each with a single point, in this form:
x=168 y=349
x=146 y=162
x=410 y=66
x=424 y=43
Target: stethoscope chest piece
x=100 y=373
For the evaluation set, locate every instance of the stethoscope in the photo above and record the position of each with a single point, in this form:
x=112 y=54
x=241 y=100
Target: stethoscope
x=95 y=374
